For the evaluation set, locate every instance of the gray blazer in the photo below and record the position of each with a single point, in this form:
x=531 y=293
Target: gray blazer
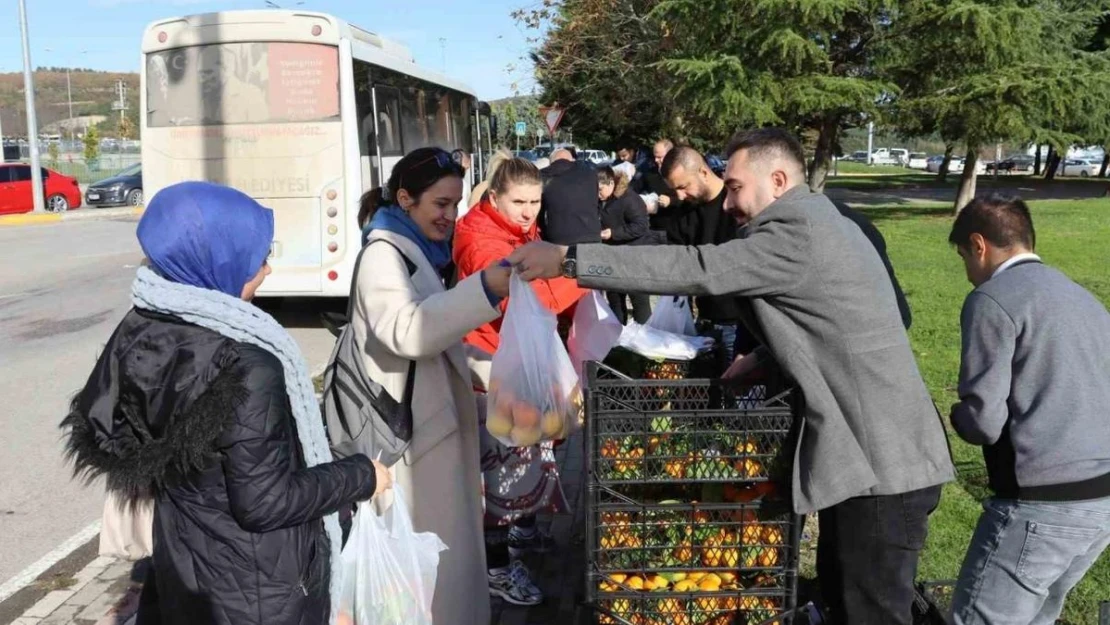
x=826 y=308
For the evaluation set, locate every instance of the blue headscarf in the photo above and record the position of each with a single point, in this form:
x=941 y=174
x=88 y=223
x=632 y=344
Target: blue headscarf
x=206 y=235
x=394 y=219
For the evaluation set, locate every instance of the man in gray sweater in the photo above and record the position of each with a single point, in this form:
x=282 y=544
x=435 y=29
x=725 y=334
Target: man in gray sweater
x=872 y=452
x=1035 y=393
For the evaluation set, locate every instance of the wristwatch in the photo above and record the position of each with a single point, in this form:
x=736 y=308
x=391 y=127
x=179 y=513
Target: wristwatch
x=570 y=262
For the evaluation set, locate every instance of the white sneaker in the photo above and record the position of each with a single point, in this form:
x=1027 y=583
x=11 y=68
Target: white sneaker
x=514 y=584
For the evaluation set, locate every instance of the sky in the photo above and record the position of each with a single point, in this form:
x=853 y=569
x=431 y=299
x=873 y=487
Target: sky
x=482 y=40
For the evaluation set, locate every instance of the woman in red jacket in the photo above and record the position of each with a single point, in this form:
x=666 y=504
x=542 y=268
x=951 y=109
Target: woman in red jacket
x=519 y=481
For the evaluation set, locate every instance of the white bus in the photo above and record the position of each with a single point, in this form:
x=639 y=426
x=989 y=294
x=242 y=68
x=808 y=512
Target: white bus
x=303 y=112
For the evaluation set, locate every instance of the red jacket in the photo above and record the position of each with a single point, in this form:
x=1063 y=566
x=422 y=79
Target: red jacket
x=484 y=237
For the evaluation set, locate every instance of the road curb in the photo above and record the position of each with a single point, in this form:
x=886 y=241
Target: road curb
x=86 y=214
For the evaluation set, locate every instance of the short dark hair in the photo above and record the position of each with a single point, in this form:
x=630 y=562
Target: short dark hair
x=765 y=142
x=682 y=156
x=1002 y=220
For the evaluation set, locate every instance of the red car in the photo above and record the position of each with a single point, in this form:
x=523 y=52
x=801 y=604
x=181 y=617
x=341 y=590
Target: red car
x=62 y=192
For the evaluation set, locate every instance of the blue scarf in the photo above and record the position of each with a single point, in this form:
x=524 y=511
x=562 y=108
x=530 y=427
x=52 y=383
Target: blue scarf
x=394 y=219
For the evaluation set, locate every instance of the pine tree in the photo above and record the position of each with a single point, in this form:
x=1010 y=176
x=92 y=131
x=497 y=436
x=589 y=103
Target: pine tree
x=996 y=70
x=92 y=144
x=806 y=64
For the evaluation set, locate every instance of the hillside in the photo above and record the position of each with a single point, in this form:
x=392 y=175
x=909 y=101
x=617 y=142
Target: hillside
x=93 y=94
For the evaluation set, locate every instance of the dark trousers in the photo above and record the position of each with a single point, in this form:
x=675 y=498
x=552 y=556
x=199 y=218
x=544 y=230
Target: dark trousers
x=641 y=306
x=867 y=555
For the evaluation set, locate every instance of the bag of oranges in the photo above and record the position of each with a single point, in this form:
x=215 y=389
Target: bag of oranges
x=533 y=390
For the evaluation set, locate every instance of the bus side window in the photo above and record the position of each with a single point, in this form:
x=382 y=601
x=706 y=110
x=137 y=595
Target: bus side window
x=389 y=137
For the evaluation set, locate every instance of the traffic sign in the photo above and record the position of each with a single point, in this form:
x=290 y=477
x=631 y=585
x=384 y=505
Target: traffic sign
x=552 y=116
x=521 y=129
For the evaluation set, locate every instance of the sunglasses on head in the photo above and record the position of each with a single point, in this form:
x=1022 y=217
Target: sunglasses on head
x=443 y=160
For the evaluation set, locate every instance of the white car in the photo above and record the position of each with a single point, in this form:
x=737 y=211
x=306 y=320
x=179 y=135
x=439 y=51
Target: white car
x=1078 y=167
x=595 y=157
x=918 y=160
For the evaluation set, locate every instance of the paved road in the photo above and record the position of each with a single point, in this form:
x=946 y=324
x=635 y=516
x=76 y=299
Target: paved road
x=63 y=288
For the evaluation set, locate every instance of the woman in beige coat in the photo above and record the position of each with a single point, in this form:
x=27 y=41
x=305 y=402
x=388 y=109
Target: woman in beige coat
x=403 y=314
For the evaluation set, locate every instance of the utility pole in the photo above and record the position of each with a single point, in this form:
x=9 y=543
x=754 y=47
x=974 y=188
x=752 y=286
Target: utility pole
x=870 y=140
x=32 y=123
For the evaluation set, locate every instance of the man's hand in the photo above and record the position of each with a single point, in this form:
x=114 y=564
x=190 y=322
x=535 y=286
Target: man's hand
x=539 y=260
x=743 y=369
x=606 y=234
x=664 y=201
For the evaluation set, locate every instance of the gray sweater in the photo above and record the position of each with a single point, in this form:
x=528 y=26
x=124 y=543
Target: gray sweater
x=1035 y=384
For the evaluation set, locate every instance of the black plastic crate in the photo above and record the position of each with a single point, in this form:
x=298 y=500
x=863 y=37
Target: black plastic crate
x=685 y=430
x=757 y=607
x=708 y=364
x=754 y=542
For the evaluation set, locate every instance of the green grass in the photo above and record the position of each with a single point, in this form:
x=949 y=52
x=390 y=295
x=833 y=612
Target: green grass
x=81 y=172
x=1071 y=235
x=905 y=178
x=851 y=167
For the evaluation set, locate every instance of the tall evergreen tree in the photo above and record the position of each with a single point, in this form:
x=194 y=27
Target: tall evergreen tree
x=806 y=64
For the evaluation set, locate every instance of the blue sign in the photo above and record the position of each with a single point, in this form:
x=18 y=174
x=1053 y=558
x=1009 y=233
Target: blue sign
x=521 y=129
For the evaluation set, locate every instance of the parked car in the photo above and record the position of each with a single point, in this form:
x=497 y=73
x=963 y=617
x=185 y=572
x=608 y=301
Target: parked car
x=715 y=164
x=918 y=160
x=857 y=157
x=1016 y=163
x=1078 y=167
x=933 y=163
x=901 y=156
x=123 y=189
x=594 y=157
x=527 y=155
x=62 y=192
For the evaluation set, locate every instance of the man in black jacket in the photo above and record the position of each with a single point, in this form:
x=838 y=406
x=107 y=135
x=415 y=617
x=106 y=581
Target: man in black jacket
x=700 y=220
x=652 y=182
x=568 y=212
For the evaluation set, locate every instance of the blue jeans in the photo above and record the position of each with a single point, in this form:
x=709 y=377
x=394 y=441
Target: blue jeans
x=1024 y=558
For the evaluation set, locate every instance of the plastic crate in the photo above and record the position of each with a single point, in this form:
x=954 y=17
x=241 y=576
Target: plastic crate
x=685 y=430
x=706 y=608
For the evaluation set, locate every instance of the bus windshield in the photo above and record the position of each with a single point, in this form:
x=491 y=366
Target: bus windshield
x=236 y=83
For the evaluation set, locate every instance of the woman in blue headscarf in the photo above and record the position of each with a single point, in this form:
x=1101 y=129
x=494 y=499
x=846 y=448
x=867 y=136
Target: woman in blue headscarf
x=202 y=402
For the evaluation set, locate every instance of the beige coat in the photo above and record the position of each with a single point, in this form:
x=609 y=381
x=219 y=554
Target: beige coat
x=401 y=318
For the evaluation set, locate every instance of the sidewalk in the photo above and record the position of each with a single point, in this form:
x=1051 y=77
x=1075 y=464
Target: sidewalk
x=34 y=219
x=106 y=592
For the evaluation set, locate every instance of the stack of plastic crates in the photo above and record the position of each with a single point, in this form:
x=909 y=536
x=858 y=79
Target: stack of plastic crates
x=685 y=524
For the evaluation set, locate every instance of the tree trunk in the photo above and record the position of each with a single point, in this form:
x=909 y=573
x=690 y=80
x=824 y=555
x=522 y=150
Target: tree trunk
x=968 y=179
x=942 y=173
x=1051 y=164
x=826 y=141
x=1105 y=163
x=1037 y=160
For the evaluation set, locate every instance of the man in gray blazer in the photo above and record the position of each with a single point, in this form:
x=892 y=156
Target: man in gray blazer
x=1035 y=393
x=872 y=452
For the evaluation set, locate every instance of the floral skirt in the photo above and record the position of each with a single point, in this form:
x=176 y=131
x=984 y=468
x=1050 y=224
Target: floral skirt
x=517 y=481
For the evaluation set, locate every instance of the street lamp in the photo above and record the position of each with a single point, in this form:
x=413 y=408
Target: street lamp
x=69 y=97
x=32 y=123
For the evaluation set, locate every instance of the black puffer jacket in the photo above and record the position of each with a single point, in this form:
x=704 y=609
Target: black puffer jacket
x=626 y=217
x=204 y=425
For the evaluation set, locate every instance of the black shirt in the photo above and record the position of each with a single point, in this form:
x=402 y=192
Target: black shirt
x=568 y=213
x=707 y=224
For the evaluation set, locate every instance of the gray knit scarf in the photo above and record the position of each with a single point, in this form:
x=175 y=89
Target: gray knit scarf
x=243 y=322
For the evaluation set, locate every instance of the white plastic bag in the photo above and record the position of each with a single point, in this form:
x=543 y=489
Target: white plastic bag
x=389 y=570
x=659 y=345
x=673 y=314
x=534 y=393
x=594 y=332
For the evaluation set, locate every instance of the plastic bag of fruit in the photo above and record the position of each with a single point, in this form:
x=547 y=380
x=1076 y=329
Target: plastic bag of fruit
x=389 y=570
x=534 y=393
